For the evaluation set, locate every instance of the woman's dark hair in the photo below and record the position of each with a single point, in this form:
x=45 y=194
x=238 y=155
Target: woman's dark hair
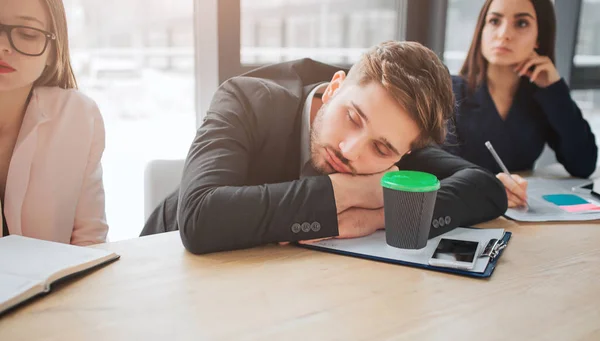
x=474 y=69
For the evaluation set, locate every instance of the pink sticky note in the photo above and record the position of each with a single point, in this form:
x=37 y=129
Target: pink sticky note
x=580 y=208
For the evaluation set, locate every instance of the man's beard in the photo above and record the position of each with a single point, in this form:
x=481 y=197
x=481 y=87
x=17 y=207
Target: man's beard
x=315 y=127
x=315 y=146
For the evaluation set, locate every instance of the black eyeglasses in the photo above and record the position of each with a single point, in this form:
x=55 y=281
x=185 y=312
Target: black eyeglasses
x=26 y=40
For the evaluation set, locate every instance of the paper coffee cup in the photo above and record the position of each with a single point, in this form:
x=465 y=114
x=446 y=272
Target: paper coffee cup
x=409 y=198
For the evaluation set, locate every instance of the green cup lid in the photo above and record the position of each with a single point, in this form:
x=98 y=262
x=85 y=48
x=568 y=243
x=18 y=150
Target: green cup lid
x=410 y=181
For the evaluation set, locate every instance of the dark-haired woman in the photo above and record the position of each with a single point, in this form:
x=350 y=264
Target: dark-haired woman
x=510 y=93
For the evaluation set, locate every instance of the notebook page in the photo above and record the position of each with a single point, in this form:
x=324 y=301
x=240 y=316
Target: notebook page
x=39 y=259
x=15 y=289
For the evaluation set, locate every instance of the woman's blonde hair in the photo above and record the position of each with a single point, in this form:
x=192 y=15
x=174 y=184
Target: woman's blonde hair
x=59 y=72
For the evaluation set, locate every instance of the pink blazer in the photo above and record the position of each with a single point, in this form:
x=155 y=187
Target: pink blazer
x=54 y=186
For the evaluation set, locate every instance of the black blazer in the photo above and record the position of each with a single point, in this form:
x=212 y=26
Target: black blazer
x=241 y=186
x=537 y=116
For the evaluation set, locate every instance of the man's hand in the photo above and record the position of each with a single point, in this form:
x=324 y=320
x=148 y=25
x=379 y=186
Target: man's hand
x=359 y=203
x=360 y=222
x=357 y=222
x=516 y=189
x=362 y=191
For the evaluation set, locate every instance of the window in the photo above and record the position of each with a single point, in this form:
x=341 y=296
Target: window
x=332 y=31
x=588 y=45
x=140 y=71
x=587 y=56
x=460 y=26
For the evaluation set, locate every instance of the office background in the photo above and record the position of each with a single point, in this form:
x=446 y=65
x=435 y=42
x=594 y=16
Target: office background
x=152 y=65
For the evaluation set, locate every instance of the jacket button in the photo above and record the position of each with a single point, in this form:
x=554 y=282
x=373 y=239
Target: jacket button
x=448 y=220
x=441 y=222
x=435 y=224
x=296 y=228
x=316 y=227
x=306 y=227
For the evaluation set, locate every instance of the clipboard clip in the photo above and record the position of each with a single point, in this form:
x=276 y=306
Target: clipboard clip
x=493 y=248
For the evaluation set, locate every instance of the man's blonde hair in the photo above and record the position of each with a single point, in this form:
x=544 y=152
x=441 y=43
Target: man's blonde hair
x=416 y=79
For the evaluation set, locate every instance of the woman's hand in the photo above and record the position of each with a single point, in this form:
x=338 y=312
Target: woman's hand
x=544 y=72
x=516 y=189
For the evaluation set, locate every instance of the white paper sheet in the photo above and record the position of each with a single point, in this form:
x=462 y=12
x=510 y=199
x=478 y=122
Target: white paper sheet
x=541 y=210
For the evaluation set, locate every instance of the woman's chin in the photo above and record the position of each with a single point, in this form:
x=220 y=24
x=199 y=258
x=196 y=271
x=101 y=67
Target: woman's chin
x=503 y=61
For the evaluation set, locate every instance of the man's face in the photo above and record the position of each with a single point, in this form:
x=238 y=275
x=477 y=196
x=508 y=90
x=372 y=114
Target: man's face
x=359 y=129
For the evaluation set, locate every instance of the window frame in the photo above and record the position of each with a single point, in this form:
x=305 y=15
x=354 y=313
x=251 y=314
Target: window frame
x=218 y=39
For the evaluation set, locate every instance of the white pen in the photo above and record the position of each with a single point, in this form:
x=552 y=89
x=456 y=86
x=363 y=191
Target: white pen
x=489 y=146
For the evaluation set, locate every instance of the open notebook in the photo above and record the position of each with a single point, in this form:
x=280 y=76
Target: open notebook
x=28 y=267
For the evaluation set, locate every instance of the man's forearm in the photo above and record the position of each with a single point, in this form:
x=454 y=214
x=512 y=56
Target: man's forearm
x=359 y=222
x=226 y=218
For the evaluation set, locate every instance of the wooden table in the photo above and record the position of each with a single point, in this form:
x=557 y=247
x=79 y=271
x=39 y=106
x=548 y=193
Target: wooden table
x=546 y=287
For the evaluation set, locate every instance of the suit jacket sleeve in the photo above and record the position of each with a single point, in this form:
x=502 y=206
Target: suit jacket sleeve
x=90 y=225
x=217 y=210
x=468 y=194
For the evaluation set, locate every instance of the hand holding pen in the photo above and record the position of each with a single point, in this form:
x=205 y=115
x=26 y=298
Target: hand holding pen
x=516 y=186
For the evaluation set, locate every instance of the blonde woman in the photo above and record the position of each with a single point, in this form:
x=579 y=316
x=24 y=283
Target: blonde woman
x=51 y=136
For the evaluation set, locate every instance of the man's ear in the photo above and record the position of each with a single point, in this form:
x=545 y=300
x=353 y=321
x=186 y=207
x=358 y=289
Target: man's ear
x=334 y=86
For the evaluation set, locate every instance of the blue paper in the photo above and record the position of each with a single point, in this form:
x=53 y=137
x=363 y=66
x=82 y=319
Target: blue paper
x=565 y=199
